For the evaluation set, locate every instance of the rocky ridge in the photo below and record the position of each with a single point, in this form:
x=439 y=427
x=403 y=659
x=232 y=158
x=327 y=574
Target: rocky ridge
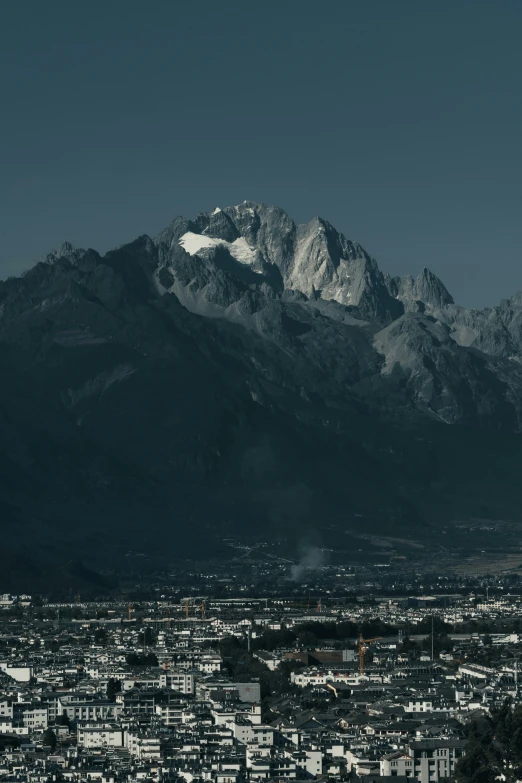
x=238 y=262
x=241 y=367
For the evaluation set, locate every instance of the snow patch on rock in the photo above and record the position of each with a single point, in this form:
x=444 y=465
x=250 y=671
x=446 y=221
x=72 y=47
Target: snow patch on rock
x=193 y=243
x=238 y=249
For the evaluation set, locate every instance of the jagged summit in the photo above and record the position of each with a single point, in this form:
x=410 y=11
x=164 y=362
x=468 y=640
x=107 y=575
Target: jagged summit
x=312 y=258
x=64 y=250
x=426 y=289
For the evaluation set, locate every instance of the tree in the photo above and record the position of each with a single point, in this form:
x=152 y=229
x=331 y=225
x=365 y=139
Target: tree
x=100 y=636
x=139 y=659
x=307 y=639
x=441 y=643
x=49 y=738
x=439 y=625
x=113 y=687
x=494 y=747
x=147 y=637
x=408 y=646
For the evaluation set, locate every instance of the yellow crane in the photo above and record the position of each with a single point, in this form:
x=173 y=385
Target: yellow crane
x=197 y=607
x=362 y=650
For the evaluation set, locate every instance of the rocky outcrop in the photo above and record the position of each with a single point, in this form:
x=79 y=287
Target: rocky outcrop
x=425 y=290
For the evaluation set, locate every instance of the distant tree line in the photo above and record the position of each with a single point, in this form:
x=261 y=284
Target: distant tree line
x=310 y=633
x=141 y=659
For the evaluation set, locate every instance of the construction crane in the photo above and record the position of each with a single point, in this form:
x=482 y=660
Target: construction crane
x=197 y=608
x=200 y=608
x=362 y=650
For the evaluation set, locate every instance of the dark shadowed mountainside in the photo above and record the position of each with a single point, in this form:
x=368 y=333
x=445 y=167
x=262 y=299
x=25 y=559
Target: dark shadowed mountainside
x=242 y=375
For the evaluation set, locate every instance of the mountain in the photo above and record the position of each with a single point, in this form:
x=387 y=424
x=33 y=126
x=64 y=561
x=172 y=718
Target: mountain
x=241 y=375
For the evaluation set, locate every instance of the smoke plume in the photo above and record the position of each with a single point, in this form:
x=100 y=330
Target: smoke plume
x=311 y=559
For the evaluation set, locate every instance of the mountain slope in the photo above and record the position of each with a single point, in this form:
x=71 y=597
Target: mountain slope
x=240 y=374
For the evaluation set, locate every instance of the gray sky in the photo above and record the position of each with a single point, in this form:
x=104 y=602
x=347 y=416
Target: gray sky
x=399 y=121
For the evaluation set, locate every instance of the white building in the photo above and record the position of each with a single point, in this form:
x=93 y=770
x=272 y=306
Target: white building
x=19 y=672
x=101 y=735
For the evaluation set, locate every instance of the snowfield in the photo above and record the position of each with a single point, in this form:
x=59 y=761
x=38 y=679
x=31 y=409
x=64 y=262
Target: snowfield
x=238 y=249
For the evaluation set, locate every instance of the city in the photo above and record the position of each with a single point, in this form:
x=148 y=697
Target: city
x=164 y=680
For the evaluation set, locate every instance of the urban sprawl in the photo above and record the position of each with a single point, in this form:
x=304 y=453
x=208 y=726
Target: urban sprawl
x=217 y=685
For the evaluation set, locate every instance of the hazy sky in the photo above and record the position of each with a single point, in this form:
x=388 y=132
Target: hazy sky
x=399 y=121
